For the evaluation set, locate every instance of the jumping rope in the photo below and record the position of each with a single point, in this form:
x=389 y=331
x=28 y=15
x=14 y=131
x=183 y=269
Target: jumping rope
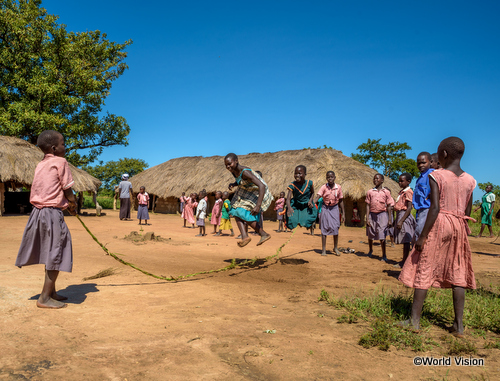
x=233 y=264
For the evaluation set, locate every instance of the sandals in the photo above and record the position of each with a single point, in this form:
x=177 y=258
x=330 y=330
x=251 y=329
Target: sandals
x=263 y=239
x=244 y=242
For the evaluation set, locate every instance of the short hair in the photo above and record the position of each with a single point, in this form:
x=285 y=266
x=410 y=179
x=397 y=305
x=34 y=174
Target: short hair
x=434 y=157
x=407 y=176
x=454 y=146
x=426 y=154
x=232 y=156
x=379 y=174
x=330 y=172
x=303 y=167
x=142 y=186
x=47 y=139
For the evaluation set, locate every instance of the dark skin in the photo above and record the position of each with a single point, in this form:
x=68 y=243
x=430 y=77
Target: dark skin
x=202 y=228
x=403 y=184
x=453 y=165
x=225 y=196
x=378 y=181
x=488 y=189
x=300 y=179
x=48 y=297
x=280 y=225
x=330 y=178
x=233 y=166
x=218 y=195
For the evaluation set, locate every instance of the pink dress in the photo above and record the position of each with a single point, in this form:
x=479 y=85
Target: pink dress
x=187 y=212
x=446 y=257
x=216 y=212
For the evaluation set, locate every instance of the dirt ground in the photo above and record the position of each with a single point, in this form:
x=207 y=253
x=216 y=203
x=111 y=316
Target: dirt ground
x=128 y=326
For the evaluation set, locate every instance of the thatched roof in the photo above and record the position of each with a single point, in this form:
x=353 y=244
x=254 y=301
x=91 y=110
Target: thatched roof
x=18 y=160
x=191 y=174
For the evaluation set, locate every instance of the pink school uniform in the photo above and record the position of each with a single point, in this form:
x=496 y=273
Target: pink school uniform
x=216 y=212
x=446 y=257
x=405 y=235
x=330 y=215
x=46 y=238
x=188 y=213
x=378 y=217
x=279 y=206
x=142 y=210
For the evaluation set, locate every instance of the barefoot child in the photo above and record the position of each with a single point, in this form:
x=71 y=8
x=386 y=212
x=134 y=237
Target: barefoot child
x=404 y=225
x=250 y=199
x=421 y=200
x=487 y=206
x=300 y=209
x=278 y=207
x=182 y=199
x=216 y=211
x=442 y=255
x=201 y=213
x=187 y=213
x=225 y=222
x=330 y=220
x=46 y=239
x=142 y=210
x=379 y=205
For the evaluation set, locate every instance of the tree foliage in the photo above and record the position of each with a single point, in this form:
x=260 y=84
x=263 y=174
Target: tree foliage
x=496 y=188
x=54 y=79
x=389 y=159
x=110 y=173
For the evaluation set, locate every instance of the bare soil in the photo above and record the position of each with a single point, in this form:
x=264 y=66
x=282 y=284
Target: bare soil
x=128 y=326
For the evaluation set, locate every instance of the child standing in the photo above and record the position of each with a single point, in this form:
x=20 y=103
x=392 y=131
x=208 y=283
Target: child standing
x=216 y=211
x=225 y=223
x=487 y=206
x=278 y=207
x=187 y=213
x=421 y=200
x=182 y=199
x=404 y=226
x=142 y=210
x=250 y=199
x=201 y=213
x=300 y=210
x=356 y=219
x=330 y=219
x=442 y=255
x=46 y=238
x=379 y=217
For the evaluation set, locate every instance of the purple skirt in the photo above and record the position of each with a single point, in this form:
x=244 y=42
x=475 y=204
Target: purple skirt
x=378 y=225
x=200 y=222
x=278 y=215
x=405 y=235
x=329 y=220
x=142 y=212
x=46 y=241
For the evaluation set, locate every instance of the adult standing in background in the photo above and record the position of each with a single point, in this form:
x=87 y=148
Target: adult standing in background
x=125 y=189
x=487 y=206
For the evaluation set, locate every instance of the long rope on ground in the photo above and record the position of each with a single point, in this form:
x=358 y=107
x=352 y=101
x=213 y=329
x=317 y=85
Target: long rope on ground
x=233 y=264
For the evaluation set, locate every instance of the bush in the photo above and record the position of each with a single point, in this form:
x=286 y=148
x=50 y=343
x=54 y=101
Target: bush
x=105 y=202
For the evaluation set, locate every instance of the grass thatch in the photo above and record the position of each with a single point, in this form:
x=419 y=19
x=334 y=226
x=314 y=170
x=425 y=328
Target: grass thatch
x=191 y=174
x=18 y=160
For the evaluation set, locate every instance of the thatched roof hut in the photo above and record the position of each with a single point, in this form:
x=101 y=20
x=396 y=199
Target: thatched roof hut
x=18 y=160
x=191 y=174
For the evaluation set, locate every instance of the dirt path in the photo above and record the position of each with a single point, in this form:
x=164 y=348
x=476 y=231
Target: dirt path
x=128 y=326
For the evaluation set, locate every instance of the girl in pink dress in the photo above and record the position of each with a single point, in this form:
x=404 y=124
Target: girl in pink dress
x=187 y=212
x=442 y=254
x=216 y=211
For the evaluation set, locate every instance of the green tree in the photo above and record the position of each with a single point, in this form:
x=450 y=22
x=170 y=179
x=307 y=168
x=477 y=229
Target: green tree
x=389 y=159
x=496 y=188
x=54 y=79
x=110 y=173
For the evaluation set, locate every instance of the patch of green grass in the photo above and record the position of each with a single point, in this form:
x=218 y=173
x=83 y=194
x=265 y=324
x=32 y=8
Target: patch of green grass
x=105 y=202
x=475 y=227
x=493 y=344
x=461 y=347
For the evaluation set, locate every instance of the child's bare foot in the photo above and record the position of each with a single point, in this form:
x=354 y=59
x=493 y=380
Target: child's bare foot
x=491 y=236
x=50 y=303
x=263 y=239
x=56 y=296
x=231 y=235
x=336 y=252
x=323 y=253
x=455 y=332
x=408 y=324
x=244 y=242
x=370 y=254
x=478 y=236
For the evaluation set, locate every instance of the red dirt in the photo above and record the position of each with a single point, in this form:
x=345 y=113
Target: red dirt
x=128 y=326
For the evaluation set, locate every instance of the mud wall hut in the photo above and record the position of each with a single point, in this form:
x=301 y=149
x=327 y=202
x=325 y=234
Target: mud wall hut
x=18 y=160
x=166 y=182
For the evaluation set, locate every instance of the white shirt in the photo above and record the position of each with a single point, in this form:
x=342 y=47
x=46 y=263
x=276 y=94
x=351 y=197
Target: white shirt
x=201 y=210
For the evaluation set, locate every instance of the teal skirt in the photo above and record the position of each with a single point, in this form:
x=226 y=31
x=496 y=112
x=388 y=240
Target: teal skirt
x=244 y=215
x=305 y=217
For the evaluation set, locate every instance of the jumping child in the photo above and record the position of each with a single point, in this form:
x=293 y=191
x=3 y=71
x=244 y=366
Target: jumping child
x=404 y=225
x=142 y=210
x=250 y=199
x=201 y=213
x=442 y=255
x=330 y=220
x=46 y=238
x=216 y=211
x=225 y=223
x=379 y=217
x=278 y=207
x=300 y=209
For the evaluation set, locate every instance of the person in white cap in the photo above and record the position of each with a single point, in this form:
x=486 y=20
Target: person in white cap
x=125 y=188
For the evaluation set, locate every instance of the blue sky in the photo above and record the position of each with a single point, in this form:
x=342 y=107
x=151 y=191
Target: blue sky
x=208 y=78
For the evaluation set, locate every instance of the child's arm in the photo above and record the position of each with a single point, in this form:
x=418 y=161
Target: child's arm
x=232 y=185
x=248 y=175
x=367 y=214
x=310 y=204
x=68 y=193
x=432 y=214
x=409 y=206
x=492 y=208
x=289 y=210
x=341 y=207
x=469 y=207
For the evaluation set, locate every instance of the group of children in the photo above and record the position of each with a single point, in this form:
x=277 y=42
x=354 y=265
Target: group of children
x=441 y=256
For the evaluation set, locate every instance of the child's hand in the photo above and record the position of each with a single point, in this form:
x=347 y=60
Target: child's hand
x=368 y=223
x=289 y=212
x=72 y=209
x=232 y=185
x=400 y=225
x=342 y=219
x=255 y=210
x=419 y=245
x=310 y=205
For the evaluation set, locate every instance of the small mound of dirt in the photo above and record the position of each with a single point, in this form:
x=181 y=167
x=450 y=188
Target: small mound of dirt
x=136 y=237
x=292 y=261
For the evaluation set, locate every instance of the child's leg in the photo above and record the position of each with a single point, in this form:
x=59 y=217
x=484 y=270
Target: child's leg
x=481 y=231
x=323 y=244
x=232 y=232
x=336 y=244
x=242 y=227
x=263 y=235
x=140 y=221
x=416 y=308
x=49 y=286
x=185 y=222
x=382 y=244
x=203 y=230
x=491 y=231
x=370 y=246
x=406 y=252
x=458 y=307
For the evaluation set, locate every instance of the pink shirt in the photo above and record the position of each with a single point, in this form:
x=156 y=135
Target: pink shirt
x=331 y=196
x=403 y=196
x=379 y=200
x=52 y=178
x=183 y=198
x=280 y=204
x=143 y=198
